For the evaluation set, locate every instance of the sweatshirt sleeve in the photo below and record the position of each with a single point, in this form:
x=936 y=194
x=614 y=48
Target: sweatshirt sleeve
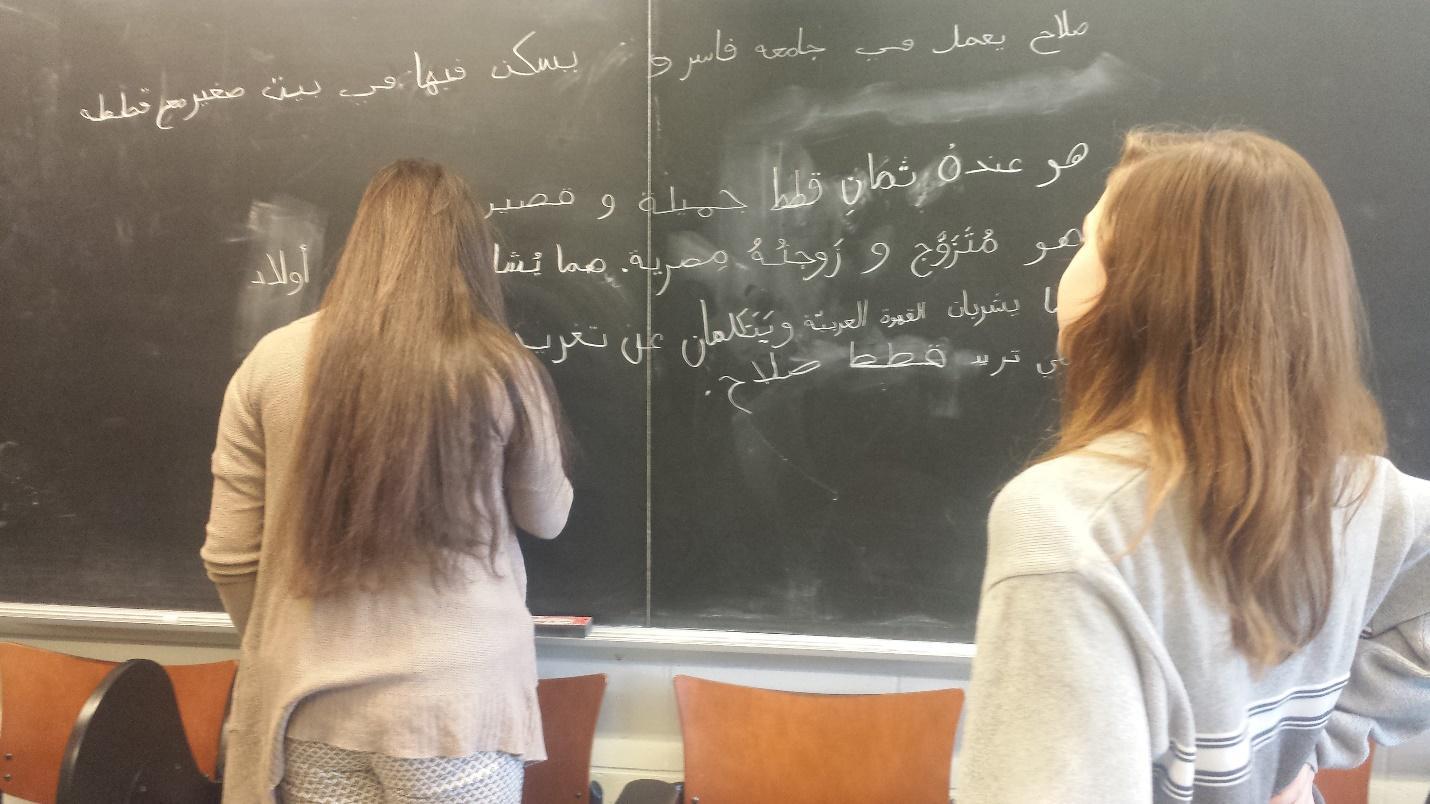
x=1388 y=696
x=235 y=527
x=537 y=489
x=1056 y=710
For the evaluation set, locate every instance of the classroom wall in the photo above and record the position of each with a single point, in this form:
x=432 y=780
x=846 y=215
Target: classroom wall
x=638 y=734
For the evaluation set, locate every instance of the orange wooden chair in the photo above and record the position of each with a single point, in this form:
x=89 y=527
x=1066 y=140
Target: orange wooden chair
x=202 y=691
x=744 y=744
x=1347 y=786
x=569 y=707
x=42 y=693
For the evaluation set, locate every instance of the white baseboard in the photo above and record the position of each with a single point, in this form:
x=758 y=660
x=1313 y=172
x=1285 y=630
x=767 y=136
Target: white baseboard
x=614 y=780
x=1393 y=790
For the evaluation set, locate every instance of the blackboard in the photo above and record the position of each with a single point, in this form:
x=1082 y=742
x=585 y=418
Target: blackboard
x=790 y=263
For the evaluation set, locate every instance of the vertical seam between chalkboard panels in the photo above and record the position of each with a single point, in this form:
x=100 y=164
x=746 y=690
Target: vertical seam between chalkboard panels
x=649 y=249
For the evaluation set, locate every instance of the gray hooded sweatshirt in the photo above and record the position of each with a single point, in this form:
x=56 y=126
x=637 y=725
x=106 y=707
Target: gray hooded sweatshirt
x=1105 y=670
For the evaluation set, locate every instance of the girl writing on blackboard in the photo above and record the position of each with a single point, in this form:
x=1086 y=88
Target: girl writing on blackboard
x=1211 y=586
x=372 y=460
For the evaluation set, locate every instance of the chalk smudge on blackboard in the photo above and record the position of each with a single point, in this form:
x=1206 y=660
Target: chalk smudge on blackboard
x=281 y=274
x=799 y=112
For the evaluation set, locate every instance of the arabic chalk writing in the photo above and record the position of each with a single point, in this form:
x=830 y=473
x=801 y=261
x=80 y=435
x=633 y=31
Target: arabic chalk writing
x=902 y=47
x=959 y=41
x=524 y=67
x=1062 y=29
x=1075 y=157
x=1072 y=238
x=565 y=198
x=825 y=262
x=798 y=49
x=724 y=50
x=965 y=309
x=763 y=377
x=294 y=279
x=894 y=357
x=278 y=91
x=945 y=249
x=728 y=203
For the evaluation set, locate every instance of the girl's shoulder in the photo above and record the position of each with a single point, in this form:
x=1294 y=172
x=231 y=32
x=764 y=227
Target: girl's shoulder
x=275 y=364
x=1078 y=483
x=1394 y=504
x=284 y=341
x=1061 y=514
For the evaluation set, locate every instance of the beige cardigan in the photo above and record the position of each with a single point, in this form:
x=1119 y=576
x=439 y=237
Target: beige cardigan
x=407 y=672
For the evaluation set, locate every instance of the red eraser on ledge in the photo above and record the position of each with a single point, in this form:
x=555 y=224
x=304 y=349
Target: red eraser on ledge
x=561 y=625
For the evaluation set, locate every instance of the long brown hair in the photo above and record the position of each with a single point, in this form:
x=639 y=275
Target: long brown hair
x=1230 y=333
x=411 y=375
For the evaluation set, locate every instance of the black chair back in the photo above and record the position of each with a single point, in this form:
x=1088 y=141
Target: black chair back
x=128 y=745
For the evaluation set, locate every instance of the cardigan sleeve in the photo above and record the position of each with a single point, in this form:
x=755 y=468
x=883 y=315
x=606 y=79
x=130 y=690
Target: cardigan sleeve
x=537 y=489
x=235 y=527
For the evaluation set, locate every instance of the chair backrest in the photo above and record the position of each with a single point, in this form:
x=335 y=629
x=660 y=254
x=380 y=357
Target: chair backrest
x=128 y=745
x=569 y=707
x=1347 y=786
x=41 y=694
x=745 y=744
x=203 y=691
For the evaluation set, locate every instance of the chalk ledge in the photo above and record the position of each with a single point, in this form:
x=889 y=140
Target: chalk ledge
x=208 y=627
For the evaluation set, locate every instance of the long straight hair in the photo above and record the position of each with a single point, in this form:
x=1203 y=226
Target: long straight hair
x=1230 y=332
x=413 y=386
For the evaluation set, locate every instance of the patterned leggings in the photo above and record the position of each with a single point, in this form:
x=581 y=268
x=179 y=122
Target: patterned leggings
x=318 y=773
